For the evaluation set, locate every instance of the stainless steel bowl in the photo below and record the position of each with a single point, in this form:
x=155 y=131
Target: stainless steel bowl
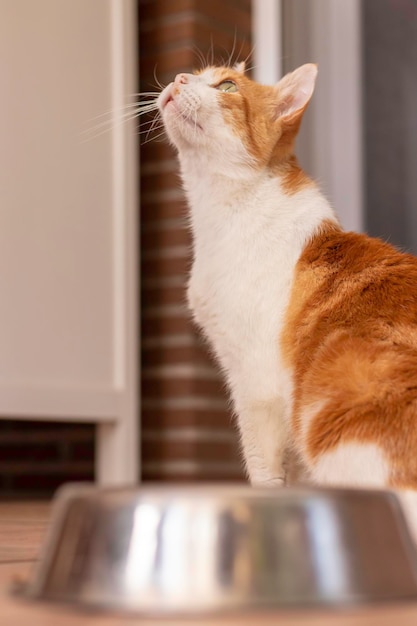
x=170 y=550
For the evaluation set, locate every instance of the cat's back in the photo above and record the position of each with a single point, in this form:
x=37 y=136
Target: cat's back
x=354 y=281
x=350 y=336
x=350 y=341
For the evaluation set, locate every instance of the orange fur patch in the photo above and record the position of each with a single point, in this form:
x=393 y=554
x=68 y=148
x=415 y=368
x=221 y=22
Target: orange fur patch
x=351 y=340
x=252 y=113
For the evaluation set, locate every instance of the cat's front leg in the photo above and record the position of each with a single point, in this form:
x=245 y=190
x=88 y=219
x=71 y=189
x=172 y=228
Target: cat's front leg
x=264 y=436
x=260 y=472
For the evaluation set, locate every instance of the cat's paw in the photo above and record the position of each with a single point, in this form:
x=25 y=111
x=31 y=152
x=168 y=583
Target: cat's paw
x=275 y=481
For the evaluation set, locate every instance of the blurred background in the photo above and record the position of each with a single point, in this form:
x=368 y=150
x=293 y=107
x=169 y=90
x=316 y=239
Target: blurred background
x=102 y=374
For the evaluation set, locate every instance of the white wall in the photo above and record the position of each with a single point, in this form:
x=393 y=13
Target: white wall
x=67 y=213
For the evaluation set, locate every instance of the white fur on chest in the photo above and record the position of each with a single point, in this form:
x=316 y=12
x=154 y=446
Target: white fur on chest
x=246 y=245
x=238 y=293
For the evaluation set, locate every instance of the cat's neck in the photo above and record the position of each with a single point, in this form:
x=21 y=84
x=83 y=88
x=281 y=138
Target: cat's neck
x=291 y=205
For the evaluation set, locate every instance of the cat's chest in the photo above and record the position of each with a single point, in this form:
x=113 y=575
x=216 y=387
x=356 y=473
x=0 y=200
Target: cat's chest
x=238 y=293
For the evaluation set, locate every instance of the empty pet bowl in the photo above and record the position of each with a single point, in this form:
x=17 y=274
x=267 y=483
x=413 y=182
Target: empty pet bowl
x=180 y=550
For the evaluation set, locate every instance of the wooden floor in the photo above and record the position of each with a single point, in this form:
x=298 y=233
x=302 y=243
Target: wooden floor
x=22 y=527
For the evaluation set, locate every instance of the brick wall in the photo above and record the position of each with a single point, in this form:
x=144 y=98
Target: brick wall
x=187 y=431
x=36 y=457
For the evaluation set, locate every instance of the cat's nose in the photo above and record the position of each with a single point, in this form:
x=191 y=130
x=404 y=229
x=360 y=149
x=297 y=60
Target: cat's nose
x=181 y=79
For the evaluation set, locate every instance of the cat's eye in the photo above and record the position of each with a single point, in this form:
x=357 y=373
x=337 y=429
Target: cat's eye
x=227 y=85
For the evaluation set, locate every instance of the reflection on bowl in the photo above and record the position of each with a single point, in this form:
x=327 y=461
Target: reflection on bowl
x=170 y=550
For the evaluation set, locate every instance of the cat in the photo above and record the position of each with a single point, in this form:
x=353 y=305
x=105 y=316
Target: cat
x=314 y=328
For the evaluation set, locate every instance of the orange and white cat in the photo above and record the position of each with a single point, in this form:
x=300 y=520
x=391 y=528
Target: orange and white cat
x=314 y=328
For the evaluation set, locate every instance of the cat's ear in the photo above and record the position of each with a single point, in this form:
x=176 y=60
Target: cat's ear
x=295 y=90
x=240 y=67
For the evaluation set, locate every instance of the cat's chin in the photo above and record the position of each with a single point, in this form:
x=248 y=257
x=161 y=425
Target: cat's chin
x=186 y=120
x=183 y=132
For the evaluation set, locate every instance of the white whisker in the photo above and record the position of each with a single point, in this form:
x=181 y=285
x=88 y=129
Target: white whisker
x=239 y=54
x=144 y=93
x=148 y=130
x=153 y=126
x=249 y=56
x=134 y=111
x=96 y=132
x=122 y=109
x=156 y=78
x=119 y=114
x=110 y=122
x=150 y=121
x=200 y=57
x=153 y=138
x=111 y=112
x=230 y=59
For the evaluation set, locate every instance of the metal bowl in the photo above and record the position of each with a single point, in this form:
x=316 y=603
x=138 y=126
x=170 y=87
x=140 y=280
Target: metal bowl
x=180 y=550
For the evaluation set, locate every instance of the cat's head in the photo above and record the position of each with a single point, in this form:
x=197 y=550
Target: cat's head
x=233 y=119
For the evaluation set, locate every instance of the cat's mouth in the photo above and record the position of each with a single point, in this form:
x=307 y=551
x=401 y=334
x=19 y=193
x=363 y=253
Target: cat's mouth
x=169 y=100
x=165 y=101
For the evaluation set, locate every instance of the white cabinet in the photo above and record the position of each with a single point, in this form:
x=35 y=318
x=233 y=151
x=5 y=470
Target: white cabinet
x=68 y=221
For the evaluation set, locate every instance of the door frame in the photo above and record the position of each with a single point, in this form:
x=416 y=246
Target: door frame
x=287 y=33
